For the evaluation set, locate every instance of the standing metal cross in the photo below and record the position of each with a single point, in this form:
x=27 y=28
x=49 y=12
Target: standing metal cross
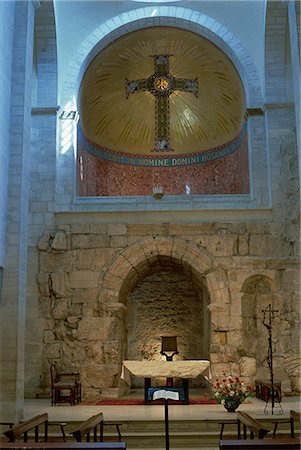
x=268 y=316
x=161 y=84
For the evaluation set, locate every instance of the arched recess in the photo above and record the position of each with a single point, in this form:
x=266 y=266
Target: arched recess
x=173 y=257
x=137 y=19
x=257 y=295
x=258 y=292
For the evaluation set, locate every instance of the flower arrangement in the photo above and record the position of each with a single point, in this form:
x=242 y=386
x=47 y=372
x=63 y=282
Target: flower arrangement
x=230 y=388
x=148 y=350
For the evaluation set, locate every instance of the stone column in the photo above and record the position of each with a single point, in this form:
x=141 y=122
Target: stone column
x=6 y=27
x=13 y=300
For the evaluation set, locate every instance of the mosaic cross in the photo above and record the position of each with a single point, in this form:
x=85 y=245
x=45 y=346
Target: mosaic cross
x=161 y=84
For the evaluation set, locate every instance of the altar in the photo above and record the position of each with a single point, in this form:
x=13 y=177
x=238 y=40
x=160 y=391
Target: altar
x=169 y=369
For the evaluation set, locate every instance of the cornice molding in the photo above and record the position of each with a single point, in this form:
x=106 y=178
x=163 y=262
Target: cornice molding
x=47 y=110
x=278 y=105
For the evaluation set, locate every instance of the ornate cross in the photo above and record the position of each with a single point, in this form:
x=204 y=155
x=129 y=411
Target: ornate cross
x=161 y=84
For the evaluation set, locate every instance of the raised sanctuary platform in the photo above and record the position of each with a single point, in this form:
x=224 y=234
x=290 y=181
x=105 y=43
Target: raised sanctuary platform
x=193 y=427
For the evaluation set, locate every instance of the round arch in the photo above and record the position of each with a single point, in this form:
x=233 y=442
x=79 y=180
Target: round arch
x=132 y=265
x=134 y=262
x=258 y=291
x=166 y=16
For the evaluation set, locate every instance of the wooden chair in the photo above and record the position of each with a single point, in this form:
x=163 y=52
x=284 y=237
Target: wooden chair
x=62 y=383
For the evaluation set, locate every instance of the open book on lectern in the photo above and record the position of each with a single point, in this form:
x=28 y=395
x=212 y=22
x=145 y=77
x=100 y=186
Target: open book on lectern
x=163 y=393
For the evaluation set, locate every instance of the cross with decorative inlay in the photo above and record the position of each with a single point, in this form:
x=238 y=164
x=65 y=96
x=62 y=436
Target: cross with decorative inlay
x=161 y=84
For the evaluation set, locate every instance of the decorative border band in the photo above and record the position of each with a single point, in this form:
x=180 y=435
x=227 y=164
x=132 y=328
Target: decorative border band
x=162 y=161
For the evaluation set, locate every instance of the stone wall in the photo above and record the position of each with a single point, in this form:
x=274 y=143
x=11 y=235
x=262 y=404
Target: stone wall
x=100 y=287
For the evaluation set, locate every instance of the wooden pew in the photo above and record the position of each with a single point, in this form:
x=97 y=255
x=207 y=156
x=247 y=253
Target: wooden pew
x=253 y=425
x=260 y=444
x=23 y=428
x=7 y=424
x=293 y=417
x=83 y=431
x=222 y=424
x=63 y=445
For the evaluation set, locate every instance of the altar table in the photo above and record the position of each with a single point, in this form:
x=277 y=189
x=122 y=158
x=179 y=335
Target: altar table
x=169 y=369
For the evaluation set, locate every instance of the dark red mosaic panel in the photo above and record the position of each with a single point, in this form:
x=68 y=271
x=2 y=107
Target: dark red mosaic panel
x=227 y=175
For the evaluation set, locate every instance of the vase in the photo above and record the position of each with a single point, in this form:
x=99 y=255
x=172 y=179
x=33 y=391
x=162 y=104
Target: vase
x=231 y=405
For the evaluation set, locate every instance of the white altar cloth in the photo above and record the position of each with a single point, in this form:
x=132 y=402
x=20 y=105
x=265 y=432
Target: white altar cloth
x=167 y=369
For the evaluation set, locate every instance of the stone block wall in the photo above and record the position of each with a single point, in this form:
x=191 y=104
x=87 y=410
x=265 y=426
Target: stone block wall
x=95 y=283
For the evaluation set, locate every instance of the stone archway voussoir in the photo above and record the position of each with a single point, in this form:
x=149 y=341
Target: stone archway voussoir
x=218 y=285
x=135 y=258
x=109 y=296
x=164 y=246
x=179 y=249
x=120 y=268
x=113 y=282
x=201 y=262
x=149 y=248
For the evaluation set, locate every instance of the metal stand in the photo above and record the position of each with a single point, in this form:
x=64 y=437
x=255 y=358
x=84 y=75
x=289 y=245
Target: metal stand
x=169 y=356
x=166 y=424
x=268 y=316
x=165 y=394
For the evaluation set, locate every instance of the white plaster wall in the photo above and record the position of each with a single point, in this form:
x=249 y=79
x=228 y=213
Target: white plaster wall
x=242 y=18
x=6 y=42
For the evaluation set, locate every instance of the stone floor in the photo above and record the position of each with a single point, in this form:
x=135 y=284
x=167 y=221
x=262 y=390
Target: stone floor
x=149 y=413
x=83 y=411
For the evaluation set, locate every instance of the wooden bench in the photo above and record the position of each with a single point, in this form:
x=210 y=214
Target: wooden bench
x=56 y=424
x=255 y=427
x=222 y=424
x=23 y=428
x=63 y=445
x=293 y=417
x=83 y=431
x=260 y=444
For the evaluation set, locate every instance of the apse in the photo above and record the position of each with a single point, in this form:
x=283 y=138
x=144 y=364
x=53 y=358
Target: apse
x=161 y=109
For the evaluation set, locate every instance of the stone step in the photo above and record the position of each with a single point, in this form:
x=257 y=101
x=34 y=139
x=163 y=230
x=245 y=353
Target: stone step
x=186 y=434
x=151 y=434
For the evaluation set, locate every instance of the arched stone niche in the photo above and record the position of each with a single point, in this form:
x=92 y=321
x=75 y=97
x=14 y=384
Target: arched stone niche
x=173 y=263
x=257 y=295
x=260 y=291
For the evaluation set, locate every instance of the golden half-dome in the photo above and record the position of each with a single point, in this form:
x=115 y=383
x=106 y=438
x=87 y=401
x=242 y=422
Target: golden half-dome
x=114 y=120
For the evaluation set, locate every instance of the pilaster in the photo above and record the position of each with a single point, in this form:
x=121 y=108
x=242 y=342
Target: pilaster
x=13 y=301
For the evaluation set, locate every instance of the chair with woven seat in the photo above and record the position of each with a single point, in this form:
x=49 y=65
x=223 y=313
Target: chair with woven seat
x=65 y=387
